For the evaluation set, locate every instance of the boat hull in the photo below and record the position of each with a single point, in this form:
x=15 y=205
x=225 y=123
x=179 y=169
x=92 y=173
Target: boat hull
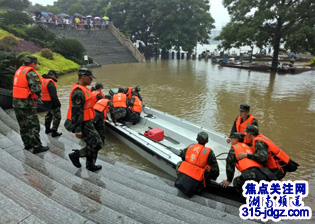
x=143 y=150
x=179 y=134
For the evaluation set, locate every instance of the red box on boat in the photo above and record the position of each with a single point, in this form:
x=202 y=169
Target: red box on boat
x=155 y=133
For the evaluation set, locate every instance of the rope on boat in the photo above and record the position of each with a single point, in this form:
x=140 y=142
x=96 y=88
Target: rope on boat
x=223 y=153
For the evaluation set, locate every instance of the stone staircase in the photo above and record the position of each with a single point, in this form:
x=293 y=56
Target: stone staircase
x=101 y=45
x=47 y=188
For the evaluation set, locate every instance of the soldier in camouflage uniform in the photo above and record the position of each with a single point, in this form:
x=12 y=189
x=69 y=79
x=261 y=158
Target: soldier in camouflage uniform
x=261 y=150
x=82 y=127
x=121 y=114
x=26 y=90
x=99 y=122
x=255 y=173
x=211 y=173
x=244 y=117
x=51 y=103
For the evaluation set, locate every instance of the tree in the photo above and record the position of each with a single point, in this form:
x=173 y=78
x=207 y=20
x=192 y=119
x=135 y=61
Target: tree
x=15 y=18
x=100 y=8
x=76 y=8
x=181 y=24
x=14 y=4
x=271 y=22
x=167 y=24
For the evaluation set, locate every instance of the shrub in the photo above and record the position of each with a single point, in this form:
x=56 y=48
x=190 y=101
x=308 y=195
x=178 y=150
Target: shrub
x=76 y=60
x=47 y=53
x=7 y=69
x=41 y=35
x=10 y=41
x=90 y=60
x=70 y=48
x=17 y=31
x=27 y=46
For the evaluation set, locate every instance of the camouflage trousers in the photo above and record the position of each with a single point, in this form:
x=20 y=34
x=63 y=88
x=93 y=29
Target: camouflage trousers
x=99 y=124
x=135 y=117
x=53 y=115
x=256 y=174
x=29 y=126
x=93 y=143
x=119 y=113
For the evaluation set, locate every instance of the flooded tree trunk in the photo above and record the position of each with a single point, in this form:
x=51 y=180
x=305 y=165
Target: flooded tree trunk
x=276 y=46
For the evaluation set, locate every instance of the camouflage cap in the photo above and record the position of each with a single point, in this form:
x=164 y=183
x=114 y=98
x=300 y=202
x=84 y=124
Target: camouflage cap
x=253 y=129
x=29 y=59
x=53 y=72
x=99 y=85
x=239 y=136
x=87 y=72
x=244 y=107
x=202 y=137
x=137 y=89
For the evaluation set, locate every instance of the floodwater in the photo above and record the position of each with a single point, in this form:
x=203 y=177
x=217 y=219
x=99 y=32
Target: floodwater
x=210 y=95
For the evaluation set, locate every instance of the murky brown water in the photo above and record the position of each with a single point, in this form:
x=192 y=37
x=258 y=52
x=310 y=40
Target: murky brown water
x=209 y=95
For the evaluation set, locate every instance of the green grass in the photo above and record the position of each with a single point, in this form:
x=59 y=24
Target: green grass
x=4 y=33
x=59 y=64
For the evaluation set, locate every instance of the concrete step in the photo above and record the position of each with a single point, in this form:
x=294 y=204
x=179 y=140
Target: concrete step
x=11 y=212
x=114 y=201
x=44 y=182
x=117 y=179
x=214 y=201
x=169 y=197
x=100 y=195
x=102 y=46
x=35 y=202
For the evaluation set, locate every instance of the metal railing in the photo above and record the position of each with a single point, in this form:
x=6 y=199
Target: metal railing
x=126 y=42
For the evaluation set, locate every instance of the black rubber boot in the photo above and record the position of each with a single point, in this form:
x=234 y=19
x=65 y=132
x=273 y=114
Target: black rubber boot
x=55 y=134
x=40 y=149
x=75 y=158
x=94 y=168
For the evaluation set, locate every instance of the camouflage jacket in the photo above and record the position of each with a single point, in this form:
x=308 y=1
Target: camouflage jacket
x=261 y=152
x=230 y=165
x=35 y=87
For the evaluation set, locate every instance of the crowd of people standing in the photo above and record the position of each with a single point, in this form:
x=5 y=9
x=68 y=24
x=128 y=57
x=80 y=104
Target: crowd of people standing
x=77 y=21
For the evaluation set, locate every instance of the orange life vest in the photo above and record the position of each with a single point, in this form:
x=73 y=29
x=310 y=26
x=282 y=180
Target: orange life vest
x=95 y=92
x=137 y=105
x=275 y=154
x=102 y=106
x=21 y=90
x=129 y=93
x=195 y=162
x=45 y=93
x=244 y=164
x=90 y=101
x=120 y=100
x=241 y=127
